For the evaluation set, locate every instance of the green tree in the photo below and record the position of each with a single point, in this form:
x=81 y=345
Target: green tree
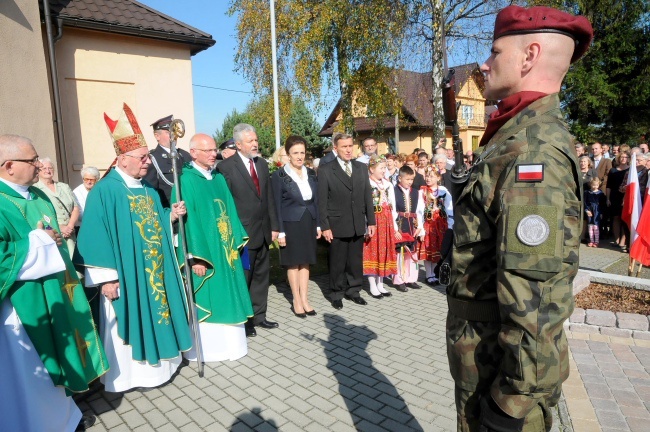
x=348 y=46
x=303 y=123
x=265 y=134
x=606 y=94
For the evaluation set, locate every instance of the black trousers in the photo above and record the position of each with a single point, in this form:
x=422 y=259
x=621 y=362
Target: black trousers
x=257 y=279
x=346 y=267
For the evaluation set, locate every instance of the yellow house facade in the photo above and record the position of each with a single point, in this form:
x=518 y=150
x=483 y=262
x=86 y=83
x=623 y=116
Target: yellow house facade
x=104 y=56
x=416 y=122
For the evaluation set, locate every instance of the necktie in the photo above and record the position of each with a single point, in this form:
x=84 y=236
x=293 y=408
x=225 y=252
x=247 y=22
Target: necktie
x=256 y=180
x=348 y=171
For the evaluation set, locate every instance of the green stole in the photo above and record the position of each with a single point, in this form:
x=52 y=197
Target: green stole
x=54 y=309
x=214 y=234
x=128 y=230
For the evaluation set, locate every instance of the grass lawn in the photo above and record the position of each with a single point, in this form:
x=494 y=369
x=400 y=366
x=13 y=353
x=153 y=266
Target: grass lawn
x=278 y=274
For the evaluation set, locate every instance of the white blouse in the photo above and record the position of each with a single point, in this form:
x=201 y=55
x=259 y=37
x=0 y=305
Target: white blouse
x=387 y=196
x=303 y=183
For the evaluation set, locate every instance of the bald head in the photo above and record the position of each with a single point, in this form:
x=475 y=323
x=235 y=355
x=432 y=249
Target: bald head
x=203 y=150
x=201 y=139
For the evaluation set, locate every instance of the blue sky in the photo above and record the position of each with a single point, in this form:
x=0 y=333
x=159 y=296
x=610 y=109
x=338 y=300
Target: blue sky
x=214 y=66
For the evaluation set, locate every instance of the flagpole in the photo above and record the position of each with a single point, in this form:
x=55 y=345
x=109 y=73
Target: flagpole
x=274 y=60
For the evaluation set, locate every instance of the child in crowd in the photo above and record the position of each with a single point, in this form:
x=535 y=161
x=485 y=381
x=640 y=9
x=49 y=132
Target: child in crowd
x=594 y=207
x=409 y=224
x=436 y=210
x=379 y=256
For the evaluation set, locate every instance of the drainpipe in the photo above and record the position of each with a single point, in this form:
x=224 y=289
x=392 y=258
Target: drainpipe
x=62 y=161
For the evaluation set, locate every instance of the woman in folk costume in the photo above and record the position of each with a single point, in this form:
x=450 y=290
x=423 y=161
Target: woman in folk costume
x=436 y=210
x=379 y=256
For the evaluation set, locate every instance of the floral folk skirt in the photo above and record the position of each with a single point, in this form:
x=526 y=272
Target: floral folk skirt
x=379 y=256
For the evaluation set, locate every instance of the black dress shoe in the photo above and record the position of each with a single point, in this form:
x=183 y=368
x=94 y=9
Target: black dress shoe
x=311 y=312
x=337 y=304
x=386 y=294
x=268 y=324
x=86 y=422
x=357 y=300
x=299 y=315
x=401 y=288
x=250 y=331
x=378 y=296
x=413 y=285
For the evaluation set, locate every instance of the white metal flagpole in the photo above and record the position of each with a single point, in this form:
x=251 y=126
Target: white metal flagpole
x=276 y=101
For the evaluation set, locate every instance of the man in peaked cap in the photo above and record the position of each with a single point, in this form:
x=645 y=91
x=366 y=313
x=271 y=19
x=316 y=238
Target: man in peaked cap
x=517 y=228
x=125 y=245
x=226 y=149
x=160 y=174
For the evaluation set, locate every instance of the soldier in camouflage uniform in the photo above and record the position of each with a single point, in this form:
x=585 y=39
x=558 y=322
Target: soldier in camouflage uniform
x=517 y=231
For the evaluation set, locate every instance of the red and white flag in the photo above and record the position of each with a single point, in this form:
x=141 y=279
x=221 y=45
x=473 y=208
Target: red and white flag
x=632 y=201
x=640 y=249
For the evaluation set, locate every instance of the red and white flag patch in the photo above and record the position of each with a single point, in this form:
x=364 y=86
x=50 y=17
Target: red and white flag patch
x=530 y=173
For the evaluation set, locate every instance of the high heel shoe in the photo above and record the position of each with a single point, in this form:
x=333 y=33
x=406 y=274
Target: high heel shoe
x=378 y=296
x=311 y=312
x=299 y=315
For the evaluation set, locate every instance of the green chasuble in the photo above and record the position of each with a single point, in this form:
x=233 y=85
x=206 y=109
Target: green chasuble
x=215 y=234
x=54 y=309
x=128 y=230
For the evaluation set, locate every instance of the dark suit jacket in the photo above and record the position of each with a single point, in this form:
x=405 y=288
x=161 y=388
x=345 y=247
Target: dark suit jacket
x=345 y=203
x=167 y=169
x=256 y=212
x=329 y=157
x=289 y=204
x=604 y=167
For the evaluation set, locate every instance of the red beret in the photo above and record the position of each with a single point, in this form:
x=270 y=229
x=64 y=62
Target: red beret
x=515 y=20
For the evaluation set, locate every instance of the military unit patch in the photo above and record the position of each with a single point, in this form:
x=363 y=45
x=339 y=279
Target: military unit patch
x=532 y=230
x=530 y=173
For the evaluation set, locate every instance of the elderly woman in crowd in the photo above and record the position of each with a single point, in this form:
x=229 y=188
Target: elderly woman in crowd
x=587 y=171
x=441 y=161
x=64 y=202
x=392 y=169
x=89 y=176
x=295 y=190
x=280 y=157
x=615 y=196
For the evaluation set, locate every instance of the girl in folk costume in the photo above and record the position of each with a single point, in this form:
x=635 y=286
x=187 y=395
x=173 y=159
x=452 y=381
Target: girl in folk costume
x=409 y=223
x=379 y=256
x=436 y=210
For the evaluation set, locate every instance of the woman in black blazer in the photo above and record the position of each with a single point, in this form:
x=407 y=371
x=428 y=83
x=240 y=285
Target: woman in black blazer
x=295 y=190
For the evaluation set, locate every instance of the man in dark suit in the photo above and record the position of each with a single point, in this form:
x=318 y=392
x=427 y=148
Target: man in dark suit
x=248 y=178
x=345 y=208
x=327 y=158
x=160 y=174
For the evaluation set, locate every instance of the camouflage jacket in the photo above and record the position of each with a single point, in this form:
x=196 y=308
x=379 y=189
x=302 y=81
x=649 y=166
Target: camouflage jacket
x=516 y=238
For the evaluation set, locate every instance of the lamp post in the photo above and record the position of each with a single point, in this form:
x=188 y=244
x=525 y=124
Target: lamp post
x=274 y=60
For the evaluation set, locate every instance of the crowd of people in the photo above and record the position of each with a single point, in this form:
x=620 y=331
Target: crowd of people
x=604 y=171
x=514 y=227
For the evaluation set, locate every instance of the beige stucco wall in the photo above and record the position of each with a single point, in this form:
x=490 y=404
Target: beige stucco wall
x=100 y=71
x=25 y=107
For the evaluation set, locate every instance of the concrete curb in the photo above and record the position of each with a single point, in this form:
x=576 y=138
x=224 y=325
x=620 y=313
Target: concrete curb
x=608 y=323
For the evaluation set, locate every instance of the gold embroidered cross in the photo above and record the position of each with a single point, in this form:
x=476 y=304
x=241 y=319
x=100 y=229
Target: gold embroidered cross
x=82 y=346
x=69 y=285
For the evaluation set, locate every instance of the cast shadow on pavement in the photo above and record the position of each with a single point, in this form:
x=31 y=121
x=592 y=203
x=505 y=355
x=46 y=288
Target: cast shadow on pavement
x=253 y=420
x=369 y=395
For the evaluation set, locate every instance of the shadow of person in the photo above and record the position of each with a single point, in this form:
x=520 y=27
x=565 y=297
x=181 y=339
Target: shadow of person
x=253 y=420
x=369 y=395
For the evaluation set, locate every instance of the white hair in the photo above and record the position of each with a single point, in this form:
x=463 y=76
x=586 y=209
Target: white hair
x=91 y=170
x=441 y=157
x=240 y=129
x=11 y=146
x=45 y=160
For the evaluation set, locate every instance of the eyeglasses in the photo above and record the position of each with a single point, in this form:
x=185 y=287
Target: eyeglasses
x=90 y=179
x=212 y=150
x=33 y=161
x=142 y=158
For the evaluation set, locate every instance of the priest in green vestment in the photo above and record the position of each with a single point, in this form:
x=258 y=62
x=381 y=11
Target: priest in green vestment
x=214 y=237
x=125 y=245
x=48 y=342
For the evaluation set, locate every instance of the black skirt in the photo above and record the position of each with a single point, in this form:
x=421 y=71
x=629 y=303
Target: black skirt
x=301 y=242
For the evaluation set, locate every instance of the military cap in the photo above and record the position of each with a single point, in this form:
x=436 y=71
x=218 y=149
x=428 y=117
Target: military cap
x=163 y=123
x=230 y=144
x=516 y=20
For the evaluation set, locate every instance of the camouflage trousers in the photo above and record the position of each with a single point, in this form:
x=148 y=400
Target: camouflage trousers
x=475 y=360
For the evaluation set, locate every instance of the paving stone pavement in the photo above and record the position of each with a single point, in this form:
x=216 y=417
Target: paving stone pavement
x=368 y=368
x=617 y=380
